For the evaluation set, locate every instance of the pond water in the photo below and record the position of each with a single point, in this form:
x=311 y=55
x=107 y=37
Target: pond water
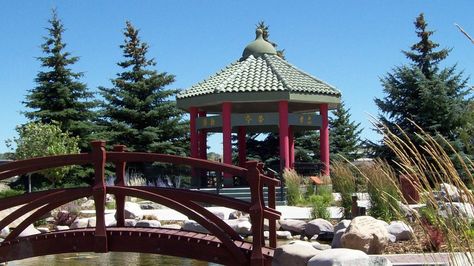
x=109 y=259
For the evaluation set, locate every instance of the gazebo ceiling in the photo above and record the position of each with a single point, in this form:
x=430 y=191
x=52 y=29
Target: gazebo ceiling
x=256 y=82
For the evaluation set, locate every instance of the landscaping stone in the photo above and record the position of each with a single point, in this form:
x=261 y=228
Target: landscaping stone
x=449 y=192
x=301 y=243
x=336 y=241
x=30 y=230
x=379 y=261
x=235 y=215
x=148 y=223
x=400 y=230
x=392 y=238
x=4 y=233
x=294 y=254
x=130 y=222
x=61 y=227
x=191 y=225
x=367 y=234
x=219 y=214
x=339 y=257
x=43 y=229
x=294 y=226
x=320 y=246
x=88 y=204
x=109 y=220
x=449 y=209
x=133 y=211
x=171 y=226
x=80 y=223
x=284 y=235
x=266 y=226
x=317 y=226
x=343 y=224
x=241 y=226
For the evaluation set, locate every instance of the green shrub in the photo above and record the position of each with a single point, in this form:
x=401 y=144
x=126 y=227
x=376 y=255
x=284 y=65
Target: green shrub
x=293 y=184
x=320 y=202
x=10 y=193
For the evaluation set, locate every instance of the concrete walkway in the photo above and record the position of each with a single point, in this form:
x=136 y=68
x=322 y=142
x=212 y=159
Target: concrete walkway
x=458 y=259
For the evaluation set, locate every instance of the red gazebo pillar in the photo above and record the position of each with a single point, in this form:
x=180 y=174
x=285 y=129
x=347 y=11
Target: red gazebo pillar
x=241 y=135
x=292 y=147
x=324 y=138
x=227 y=139
x=284 y=143
x=193 y=113
x=202 y=136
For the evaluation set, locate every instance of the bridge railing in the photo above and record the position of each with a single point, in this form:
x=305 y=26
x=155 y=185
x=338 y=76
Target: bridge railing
x=184 y=201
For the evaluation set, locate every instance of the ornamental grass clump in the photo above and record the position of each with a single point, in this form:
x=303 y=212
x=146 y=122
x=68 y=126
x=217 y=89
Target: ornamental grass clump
x=343 y=181
x=442 y=182
x=293 y=184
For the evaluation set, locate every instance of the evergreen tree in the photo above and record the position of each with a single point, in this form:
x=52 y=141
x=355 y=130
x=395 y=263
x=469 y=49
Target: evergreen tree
x=344 y=134
x=59 y=95
x=434 y=99
x=138 y=111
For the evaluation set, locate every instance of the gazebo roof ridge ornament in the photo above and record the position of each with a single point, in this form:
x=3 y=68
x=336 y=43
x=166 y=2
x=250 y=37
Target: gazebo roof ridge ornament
x=258 y=47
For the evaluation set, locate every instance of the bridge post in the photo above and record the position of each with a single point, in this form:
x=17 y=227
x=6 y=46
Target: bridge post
x=99 y=193
x=120 y=181
x=272 y=205
x=256 y=212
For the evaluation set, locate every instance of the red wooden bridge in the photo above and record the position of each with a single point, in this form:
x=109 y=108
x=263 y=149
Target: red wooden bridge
x=222 y=245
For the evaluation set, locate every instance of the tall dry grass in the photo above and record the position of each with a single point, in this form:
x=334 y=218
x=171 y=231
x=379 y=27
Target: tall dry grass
x=445 y=220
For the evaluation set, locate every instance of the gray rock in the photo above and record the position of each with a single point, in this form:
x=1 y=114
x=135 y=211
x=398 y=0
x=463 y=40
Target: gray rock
x=449 y=192
x=43 y=229
x=30 y=230
x=191 y=225
x=316 y=227
x=235 y=215
x=293 y=254
x=130 y=222
x=61 y=227
x=367 y=234
x=284 y=235
x=379 y=261
x=336 y=241
x=294 y=226
x=88 y=204
x=339 y=257
x=392 y=238
x=241 y=225
x=267 y=227
x=133 y=211
x=320 y=246
x=4 y=233
x=449 y=209
x=171 y=226
x=343 y=224
x=400 y=230
x=148 y=223
x=109 y=220
x=301 y=243
x=80 y=223
x=219 y=214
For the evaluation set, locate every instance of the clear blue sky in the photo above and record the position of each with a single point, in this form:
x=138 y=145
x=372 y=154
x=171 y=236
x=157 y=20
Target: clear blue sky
x=349 y=44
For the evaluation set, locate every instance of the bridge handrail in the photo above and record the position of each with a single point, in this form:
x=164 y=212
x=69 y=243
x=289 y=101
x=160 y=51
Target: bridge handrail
x=98 y=158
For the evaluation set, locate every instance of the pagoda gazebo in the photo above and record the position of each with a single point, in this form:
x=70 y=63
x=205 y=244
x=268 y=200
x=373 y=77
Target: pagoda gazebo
x=260 y=92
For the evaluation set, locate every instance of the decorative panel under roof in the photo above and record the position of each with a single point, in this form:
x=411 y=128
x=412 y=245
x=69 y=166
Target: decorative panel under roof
x=261 y=73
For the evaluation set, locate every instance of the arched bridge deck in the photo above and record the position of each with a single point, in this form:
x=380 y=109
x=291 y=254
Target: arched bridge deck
x=222 y=245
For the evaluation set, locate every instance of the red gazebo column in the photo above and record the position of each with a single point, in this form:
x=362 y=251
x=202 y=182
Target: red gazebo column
x=202 y=136
x=324 y=138
x=241 y=135
x=291 y=140
x=227 y=140
x=193 y=113
x=283 y=124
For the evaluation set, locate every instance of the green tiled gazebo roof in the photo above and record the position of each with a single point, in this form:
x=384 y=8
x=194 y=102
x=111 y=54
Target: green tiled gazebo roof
x=259 y=76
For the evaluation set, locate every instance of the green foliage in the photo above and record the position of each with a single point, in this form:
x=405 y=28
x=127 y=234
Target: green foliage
x=59 y=95
x=383 y=192
x=39 y=140
x=138 y=111
x=293 y=184
x=412 y=91
x=320 y=203
x=10 y=193
x=344 y=182
x=344 y=134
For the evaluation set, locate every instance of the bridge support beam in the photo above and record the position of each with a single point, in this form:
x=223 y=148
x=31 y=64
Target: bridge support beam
x=98 y=191
x=324 y=138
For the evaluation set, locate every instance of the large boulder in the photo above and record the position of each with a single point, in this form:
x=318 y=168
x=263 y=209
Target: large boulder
x=109 y=220
x=241 y=226
x=343 y=224
x=449 y=192
x=294 y=226
x=191 y=225
x=266 y=225
x=80 y=223
x=148 y=223
x=400 y=230
x=295 y=254
x=318 y=226
x=367 y=234
x=30 y=230
x=132 y=210
x=336 y=240
x=339 y=257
